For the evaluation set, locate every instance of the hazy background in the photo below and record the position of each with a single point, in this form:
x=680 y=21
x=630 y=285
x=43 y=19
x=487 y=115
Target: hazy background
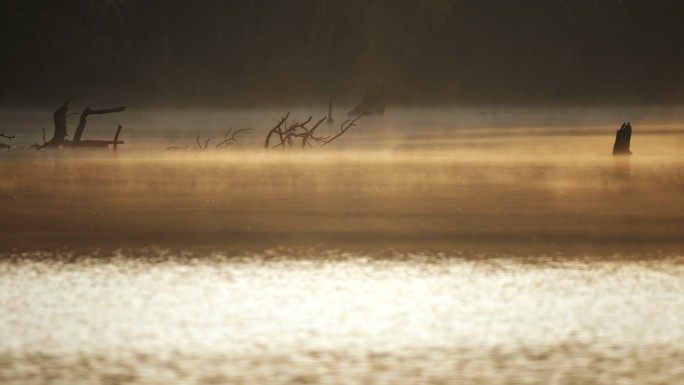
x=258 y=52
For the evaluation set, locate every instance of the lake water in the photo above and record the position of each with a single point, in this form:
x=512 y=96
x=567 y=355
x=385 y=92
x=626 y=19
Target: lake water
x=434 y=246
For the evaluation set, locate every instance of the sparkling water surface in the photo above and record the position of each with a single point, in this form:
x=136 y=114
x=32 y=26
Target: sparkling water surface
x=331 y=317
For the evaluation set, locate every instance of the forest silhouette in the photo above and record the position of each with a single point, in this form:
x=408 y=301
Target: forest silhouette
x=260 y=52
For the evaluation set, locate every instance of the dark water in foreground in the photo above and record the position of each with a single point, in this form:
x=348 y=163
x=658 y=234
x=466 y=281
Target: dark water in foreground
x=476 y=250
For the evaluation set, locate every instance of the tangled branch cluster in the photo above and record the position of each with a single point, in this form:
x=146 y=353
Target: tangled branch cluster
x=288 y=134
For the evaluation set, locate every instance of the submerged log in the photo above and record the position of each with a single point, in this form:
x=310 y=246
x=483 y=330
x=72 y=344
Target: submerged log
x=623 y=137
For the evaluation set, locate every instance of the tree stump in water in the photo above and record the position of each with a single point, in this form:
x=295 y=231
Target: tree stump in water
x=622 y=140
x=60 y=124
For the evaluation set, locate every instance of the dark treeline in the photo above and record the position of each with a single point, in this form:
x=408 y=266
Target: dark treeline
x=276 y=51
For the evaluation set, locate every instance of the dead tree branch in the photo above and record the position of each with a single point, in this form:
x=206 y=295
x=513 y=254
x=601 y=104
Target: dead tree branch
x=87 y=112
x=276 y=130
x=116 y=137
x=206 y=143
x=39 y=146
x=227 y=141
x=229 y=138
x=299 y=131
x=58 y=138
x=346 y=125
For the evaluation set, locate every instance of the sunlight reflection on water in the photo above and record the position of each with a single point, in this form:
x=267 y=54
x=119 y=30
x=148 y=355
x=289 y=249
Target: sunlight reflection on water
x=333 y=317
x=544 y=300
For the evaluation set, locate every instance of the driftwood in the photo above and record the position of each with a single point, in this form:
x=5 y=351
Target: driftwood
x=60 y=133
x=623 y=137
x=289 y=134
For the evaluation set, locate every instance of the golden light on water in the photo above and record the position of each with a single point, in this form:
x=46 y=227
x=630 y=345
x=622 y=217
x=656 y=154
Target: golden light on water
x=288 y=316
x=460 y=254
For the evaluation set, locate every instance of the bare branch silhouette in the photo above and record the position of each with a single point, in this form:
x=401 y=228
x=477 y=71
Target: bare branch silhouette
x=60 y=133
x=346 y=125
x=227 y=141
x=300 y=131
x=276 y=130
x=206 y=143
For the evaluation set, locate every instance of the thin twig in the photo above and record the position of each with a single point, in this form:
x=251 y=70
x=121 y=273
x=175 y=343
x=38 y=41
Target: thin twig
x=206 y=143
x=344 y=129
x=276 y=130
x=233 y=138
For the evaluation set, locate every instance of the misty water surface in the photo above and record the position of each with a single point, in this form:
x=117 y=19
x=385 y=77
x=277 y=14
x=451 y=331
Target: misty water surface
x=427 y=246
x=425 y=179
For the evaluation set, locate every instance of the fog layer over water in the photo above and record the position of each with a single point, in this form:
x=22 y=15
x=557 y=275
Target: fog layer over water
x=425 y=246
x=424 y=179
